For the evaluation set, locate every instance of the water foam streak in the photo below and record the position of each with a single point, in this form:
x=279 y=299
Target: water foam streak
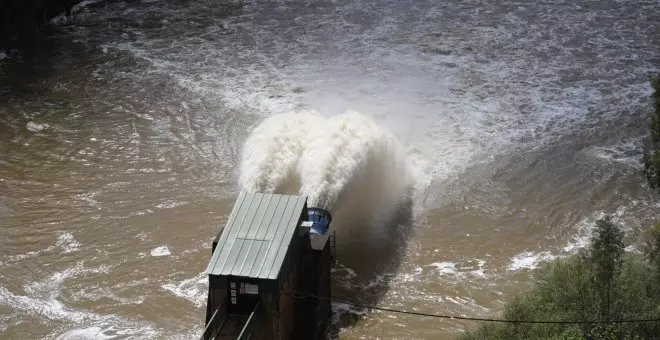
x=272 y=150
x=329 y=157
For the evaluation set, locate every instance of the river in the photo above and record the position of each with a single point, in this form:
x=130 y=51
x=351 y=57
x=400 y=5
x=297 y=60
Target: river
x=121 y=134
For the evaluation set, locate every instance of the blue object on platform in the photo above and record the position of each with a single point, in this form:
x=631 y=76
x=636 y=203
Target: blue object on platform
x=320 y=220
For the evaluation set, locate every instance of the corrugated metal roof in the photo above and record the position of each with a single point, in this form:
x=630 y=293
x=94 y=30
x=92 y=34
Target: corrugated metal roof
x=257 y=236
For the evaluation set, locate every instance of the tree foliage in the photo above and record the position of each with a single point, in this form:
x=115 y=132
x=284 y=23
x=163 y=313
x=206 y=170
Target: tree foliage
x=652 y=250
x=605 y=256
x=601 y=283
x=652 y=151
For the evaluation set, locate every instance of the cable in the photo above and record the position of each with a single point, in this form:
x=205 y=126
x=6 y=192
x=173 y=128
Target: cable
x=305 y=296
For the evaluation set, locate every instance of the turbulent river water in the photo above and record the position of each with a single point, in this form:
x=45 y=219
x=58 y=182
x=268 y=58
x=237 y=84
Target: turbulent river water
x=121 y=135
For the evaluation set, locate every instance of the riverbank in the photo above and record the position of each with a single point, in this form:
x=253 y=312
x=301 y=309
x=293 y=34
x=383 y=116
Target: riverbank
x=24 y=19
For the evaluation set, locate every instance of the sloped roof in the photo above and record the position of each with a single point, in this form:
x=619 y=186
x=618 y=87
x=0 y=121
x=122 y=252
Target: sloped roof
x=257 y=236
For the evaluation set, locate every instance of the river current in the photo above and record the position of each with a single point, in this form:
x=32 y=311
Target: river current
x=122 y=130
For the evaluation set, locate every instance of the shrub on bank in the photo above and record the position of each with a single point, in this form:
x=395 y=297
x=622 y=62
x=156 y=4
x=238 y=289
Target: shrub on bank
x=601 y=283
x=652 y=150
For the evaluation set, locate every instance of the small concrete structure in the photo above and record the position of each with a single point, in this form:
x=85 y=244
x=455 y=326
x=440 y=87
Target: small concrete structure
x=265 y=261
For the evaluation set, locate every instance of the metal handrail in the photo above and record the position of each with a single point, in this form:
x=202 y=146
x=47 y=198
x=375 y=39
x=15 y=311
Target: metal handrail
x=251 y=324
x=206 y=329
x=212 y=327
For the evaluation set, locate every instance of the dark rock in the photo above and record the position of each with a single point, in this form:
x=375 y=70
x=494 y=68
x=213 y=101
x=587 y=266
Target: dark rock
x=21 y=19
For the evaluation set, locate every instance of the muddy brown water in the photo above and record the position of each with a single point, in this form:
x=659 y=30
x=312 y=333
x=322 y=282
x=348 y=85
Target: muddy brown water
x=121 y=134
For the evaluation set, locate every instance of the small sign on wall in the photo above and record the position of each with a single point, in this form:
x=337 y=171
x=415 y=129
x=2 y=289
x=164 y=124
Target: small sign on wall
x=243 y=295
x=251 y=289
x=232 y=287
x=246 y=288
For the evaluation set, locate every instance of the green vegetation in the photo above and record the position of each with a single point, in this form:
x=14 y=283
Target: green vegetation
x=602 y=283
x=652 y=151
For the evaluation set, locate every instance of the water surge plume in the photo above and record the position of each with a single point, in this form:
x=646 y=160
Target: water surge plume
x=332 y=158
x=272 y=151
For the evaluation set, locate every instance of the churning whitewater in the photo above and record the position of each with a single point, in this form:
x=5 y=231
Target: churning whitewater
x=120 y=149
x=324 y=158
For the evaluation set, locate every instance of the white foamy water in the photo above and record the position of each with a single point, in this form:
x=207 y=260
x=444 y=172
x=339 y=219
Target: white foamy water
x=444 y=267
x=350 y=148
x=67 y=243
x=36 y=127
x=194 y=289
x=160 y=251
x=89 y=333
x=628 y=152
x=325 y=156
x=518 y=125
x=44 y=299
x=108 y=332
x=579 y=241
x=272 y=151
x=528 y=260
x=169 y=204
x=440 y=87
x=468 y=268
x=81 y=5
